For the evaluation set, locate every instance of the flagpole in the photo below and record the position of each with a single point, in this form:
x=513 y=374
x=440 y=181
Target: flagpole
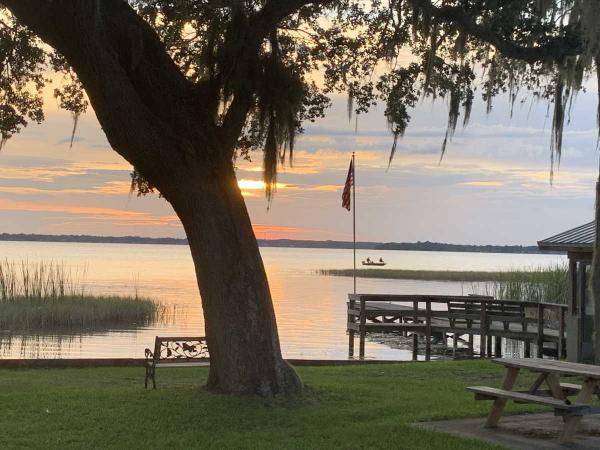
x=354 y=217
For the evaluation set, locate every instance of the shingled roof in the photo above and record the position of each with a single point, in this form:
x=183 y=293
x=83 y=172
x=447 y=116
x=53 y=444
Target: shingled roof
x=581 y=238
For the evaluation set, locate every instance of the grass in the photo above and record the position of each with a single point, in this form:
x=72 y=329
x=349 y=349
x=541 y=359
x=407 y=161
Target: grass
x=39 y=297
x=544 y=283
x=347 y=407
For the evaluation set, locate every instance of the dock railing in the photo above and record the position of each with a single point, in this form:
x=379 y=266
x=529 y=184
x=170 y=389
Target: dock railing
x=439 y=315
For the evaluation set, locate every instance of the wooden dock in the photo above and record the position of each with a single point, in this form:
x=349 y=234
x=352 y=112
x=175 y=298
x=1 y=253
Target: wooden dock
x=438 y=315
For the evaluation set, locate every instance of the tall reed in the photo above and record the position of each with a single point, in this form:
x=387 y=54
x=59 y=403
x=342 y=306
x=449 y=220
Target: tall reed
x=46 y=296
x=538 y=284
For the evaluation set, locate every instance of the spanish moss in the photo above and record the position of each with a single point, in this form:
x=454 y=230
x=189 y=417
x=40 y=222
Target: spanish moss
x=558 y=122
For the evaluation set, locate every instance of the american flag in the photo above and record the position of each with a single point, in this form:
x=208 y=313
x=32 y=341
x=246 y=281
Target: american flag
x=348 y=186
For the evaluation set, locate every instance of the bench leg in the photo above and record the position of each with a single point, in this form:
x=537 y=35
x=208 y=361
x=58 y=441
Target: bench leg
x=553 y=383
x=153 y=377
x=499 y=403
x=572 y=422
x=146 y=379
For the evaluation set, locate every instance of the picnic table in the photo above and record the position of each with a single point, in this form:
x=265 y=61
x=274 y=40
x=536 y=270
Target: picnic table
x=556 y=396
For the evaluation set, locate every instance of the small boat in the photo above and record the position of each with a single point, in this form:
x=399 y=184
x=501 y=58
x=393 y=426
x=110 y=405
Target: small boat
x=369 y=262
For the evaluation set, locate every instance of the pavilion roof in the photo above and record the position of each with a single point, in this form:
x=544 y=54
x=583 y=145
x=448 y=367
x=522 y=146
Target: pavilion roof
x=579 y=239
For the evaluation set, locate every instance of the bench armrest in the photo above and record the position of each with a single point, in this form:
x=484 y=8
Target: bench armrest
x=149 y=355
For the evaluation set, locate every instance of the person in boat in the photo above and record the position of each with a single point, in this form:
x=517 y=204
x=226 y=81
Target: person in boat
x=368 y=259
x=380 y=260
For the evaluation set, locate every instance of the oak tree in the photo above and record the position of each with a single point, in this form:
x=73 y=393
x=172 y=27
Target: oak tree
x=182 y=88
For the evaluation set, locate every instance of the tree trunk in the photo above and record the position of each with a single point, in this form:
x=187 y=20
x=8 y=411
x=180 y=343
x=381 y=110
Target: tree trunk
x=240 y=322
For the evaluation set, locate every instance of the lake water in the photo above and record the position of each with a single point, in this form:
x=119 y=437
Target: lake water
x=165 y=272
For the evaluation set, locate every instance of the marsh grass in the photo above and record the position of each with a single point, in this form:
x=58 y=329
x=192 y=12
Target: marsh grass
x=541 y=283
x=425 y=275
x=46 y=296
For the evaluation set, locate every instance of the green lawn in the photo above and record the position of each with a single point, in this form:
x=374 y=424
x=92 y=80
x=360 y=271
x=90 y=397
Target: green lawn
x=370 y=406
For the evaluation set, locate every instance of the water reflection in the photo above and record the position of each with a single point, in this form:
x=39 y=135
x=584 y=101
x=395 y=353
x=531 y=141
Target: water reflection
x=310 y=308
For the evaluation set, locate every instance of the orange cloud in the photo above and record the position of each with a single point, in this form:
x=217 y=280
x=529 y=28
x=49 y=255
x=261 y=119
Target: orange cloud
x=483 y=183
x=105 y=214
x=51 y=173
x=108 y=188
x=266 y=231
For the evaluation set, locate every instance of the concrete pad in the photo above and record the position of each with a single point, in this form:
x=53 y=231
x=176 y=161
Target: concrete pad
x=523 y=431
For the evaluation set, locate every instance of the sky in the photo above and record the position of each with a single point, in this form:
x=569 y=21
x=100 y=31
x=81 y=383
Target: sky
x=492 y=187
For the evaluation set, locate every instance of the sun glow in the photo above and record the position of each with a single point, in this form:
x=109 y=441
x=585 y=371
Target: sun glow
x=250 y=185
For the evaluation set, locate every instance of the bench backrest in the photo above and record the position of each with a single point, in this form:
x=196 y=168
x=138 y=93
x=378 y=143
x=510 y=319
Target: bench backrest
x=495 y=311
x=180 y=348
x=463 y=310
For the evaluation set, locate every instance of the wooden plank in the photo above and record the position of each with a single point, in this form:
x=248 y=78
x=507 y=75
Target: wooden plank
x=555 y=387
x=183 y=364
x=499 y=403
x=362 y=330
x=561 y=334
x=415 y=353
x=482 y=335
x=488 y=393
x=428 y=332
x=540 y=330
x=552 y=365
x=498 y=346
x=350 y=324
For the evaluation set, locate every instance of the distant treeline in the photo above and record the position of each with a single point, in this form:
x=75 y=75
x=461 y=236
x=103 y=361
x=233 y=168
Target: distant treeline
x=441 y=247
x=418 y=246
x=91 y=239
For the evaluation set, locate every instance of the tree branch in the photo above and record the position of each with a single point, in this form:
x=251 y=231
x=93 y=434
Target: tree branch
x=259 y=27
x=555 y=50
x=276 y=10
x=149 y=111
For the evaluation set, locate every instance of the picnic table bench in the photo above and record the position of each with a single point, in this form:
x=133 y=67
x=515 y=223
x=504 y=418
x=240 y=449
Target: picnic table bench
x=555 y=397
x=175 y=352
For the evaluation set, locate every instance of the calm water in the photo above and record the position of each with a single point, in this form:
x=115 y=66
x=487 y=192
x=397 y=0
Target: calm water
x=166 y=273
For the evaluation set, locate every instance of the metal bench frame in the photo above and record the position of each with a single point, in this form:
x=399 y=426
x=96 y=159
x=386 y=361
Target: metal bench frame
x=175 y=352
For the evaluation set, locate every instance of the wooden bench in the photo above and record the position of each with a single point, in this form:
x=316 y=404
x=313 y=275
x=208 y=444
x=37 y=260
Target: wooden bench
x=175 y=352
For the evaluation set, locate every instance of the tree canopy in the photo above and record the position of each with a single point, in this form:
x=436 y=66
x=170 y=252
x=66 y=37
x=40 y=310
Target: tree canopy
x=262 y=68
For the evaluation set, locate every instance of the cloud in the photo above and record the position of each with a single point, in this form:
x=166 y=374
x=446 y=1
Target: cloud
x=120 y=188
x=92 y=212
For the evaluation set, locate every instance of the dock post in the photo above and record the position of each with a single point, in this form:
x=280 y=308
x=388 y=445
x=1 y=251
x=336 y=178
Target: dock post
x=482 y=330
x=471 y=346
x=498 y=349
x=427 y=330
x=527 y=350
x=363 y=328
x=351 y=319
x=489 y=347
x=540 y=331
x=454 y=344
x=561 y=334
x=415 y=334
